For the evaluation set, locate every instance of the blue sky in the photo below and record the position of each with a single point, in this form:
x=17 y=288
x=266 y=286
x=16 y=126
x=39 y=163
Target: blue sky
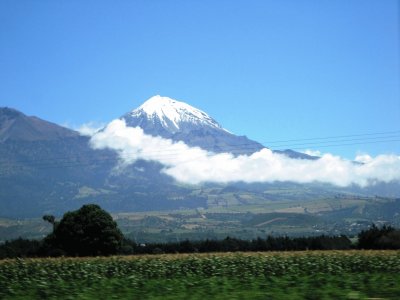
x=271 y=70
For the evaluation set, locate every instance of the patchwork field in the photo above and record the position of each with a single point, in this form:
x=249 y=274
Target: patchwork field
x=333 y=215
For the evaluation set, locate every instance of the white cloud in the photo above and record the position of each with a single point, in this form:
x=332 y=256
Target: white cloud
x=194 y=165
x=89 y=129
x=312 y=152
x=363 y=158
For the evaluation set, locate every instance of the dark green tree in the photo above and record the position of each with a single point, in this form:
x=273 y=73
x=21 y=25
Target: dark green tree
x=87 y=231
x=19 y=248
x=386 y=237
x=51 y=219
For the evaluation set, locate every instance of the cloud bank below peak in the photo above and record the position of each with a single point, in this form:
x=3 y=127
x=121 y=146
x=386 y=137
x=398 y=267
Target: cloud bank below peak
x=194 y=165
x=89 y=129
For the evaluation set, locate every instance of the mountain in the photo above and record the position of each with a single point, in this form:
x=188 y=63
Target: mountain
x=43 y=165
x=48 y=169
x=166 y=117
x=178 y=121
x=14 y=125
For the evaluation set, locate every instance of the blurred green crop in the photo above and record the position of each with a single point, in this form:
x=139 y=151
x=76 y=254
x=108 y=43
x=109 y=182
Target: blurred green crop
x=287 y=275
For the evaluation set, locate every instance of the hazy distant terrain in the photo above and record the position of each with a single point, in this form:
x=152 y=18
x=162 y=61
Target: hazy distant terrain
x=332 y=216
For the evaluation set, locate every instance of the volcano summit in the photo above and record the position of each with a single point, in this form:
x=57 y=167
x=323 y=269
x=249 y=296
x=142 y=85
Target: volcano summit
x=178 y=121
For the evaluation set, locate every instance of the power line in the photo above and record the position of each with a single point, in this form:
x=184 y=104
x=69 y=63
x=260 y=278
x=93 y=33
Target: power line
x=336 y=137
x=172 y=152
x=366 y=141
x=352 y=144
x=77 y=161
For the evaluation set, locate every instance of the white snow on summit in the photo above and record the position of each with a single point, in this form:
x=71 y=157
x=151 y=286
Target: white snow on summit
x=166 y=109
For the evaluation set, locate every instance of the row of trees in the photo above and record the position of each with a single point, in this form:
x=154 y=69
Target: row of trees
x=91 y=231
x=230 y=244
x=386 y=237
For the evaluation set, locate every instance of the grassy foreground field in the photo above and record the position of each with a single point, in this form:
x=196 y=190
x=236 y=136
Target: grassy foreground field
x=272 y=275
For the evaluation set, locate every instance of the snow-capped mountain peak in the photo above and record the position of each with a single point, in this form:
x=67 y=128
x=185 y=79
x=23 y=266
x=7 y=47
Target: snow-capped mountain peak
x=178 y=121
x=171 y=114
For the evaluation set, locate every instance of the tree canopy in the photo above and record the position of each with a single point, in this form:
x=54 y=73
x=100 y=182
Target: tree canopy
x=386 y=237
x=87 y=231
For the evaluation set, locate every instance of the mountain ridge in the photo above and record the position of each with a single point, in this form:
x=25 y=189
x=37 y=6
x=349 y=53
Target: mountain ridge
x=15 y=125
